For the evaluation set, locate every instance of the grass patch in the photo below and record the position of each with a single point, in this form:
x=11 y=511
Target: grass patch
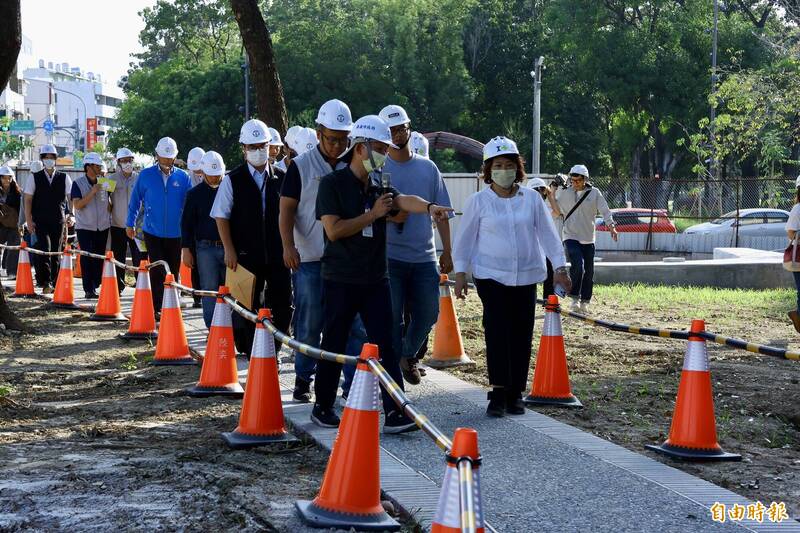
x=682 y=223
x=6 y=390
x=131 y=363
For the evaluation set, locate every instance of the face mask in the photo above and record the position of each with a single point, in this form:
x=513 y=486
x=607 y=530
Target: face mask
x=375 y=161
x=258 y=158
x=504 y=178
x=49 y=163
x=127 y=167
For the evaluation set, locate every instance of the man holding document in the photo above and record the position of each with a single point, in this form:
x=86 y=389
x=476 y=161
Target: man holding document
x=246 y=211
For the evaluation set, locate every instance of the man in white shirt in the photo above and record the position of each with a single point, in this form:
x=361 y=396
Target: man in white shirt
x=46 y=200
x=579 y=205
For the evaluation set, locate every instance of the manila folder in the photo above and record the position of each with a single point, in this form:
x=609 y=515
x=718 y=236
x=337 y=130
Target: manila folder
x=242 y=284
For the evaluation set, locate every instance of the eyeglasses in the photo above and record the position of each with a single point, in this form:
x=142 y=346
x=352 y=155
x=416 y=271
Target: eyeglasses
x=335 y=141
x=401 y=128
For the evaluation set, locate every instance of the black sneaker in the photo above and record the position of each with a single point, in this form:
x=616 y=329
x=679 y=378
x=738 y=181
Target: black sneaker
x=90 y=296
x=514 y=406
x=497 y=403
x=302 y=390
x=323 y=417
x=397 y=422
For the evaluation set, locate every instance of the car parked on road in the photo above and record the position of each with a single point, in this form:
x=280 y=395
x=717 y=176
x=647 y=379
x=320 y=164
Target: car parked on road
x=639 y=220
x=751 y=222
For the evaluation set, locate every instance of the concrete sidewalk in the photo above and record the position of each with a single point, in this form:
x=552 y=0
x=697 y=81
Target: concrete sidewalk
x=538 y=474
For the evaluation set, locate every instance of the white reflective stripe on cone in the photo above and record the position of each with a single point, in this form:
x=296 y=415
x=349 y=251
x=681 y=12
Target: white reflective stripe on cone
x=143 y=281
x=476 y=497
x=696 y=358
x=23 y=257
x=444 y=291
x=365 y=395
x=448 y=510
x=170 y=300
x=222 y=315
x=263 y=345
x=66 y=261
x=108 y=270
x=552 y=324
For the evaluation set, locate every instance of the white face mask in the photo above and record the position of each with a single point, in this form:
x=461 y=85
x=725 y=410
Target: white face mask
x=49 y=163
x=504 y=178
x=258 y=157
x=127 y=168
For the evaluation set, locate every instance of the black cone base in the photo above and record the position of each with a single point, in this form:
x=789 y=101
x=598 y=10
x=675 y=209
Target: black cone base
x=139 y=336
x=689 y=454
x=322 y=518
x=232 y=391
x=572 y=401
x=108 y=318
x=239 y=441
x=173 y=362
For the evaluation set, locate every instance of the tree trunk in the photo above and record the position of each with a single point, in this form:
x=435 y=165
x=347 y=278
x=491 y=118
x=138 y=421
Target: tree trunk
x=263 y=71
x=10 y=44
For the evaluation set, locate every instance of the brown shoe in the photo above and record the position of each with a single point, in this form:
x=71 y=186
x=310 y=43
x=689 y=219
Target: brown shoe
x=795 y=318
x=48 y=290
x=411 y=374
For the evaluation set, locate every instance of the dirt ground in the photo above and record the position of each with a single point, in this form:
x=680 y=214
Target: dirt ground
x=93 y=439
x=628 y=384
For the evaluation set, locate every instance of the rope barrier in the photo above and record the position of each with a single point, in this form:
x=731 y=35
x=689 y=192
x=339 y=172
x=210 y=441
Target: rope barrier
x=683 y=335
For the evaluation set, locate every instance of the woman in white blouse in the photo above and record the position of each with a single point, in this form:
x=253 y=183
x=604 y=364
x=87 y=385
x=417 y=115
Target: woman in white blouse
x=503 y=237
x=793 y=227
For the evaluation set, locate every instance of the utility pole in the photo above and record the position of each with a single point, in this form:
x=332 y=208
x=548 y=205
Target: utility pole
x=713 y=170
x=536 y=74
x=246 y=68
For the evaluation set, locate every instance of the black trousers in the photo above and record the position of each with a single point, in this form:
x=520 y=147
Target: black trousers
x=162 y=249
x=48 y=239
x=508 y=316
x=92 y=269
x=274 y=292
x=120 y=243
x=195 y=275
x=340 y=304
x=10 y=237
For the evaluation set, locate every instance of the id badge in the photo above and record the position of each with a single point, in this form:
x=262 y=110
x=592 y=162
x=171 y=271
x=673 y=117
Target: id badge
x=367 y=231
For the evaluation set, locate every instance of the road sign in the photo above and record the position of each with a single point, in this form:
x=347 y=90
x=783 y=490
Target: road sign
x=91 y=133
x=23 y=127
x=48 y=125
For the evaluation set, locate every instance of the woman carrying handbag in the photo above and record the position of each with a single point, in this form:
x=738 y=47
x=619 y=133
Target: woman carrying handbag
x=791 y=257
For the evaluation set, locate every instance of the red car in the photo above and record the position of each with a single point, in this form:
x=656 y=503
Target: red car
x=638 y=220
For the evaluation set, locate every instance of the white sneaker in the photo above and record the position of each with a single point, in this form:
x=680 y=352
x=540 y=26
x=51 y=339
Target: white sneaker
x=3 y=272
x=584 y=306
x=574 y=304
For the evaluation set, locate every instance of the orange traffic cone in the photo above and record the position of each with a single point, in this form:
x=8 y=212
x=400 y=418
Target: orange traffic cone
x=219 y=375
x=350 y=495
x=77 y=273
x=261 y=420
x=449 y=512
x=550 y=377
x=143 y=317
x=172 y=347
x=24 y=285
x=64 y=297
x=108 y=307
x=693 y=433
x=185 y=276
x=448 y=349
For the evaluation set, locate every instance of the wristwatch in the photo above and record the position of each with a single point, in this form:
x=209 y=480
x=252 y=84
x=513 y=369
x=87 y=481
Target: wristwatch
x=428 y=208
x=561 y=270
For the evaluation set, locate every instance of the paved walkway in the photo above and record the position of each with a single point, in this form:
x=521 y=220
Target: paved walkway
x=538 y=474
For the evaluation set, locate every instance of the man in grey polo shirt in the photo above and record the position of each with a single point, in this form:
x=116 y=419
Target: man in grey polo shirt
x=410 y=245
x=125 y=179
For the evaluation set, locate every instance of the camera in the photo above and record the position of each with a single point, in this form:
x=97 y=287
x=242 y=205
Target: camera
x=561 y=180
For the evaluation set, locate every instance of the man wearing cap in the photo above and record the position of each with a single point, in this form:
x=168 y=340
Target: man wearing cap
x=160 y=191
x=579 y=204
x=411 y=248
x=91 y=203
x=246 y=211
x=301 y=231
x=419 y=144
x=193 y=164
x=352 y=204
x=46 y=199
x=202 y=248
x=124 y=178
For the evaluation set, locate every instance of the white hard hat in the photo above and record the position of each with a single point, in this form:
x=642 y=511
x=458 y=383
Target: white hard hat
x=394 y=115
x=291 y=133
x=123 y=152
x=193 y=159
x=5 y=170
x=335 y=115
x=304 y=140
x=212 y=164
x=535 y=183
x=275 y=137
x=581 y=170
x=499 y=146
x=254 y=131
x=797 y=183
x=419 y=144
x=47 y=149
x=374 y=128
x=93 y=158
x=167 y=147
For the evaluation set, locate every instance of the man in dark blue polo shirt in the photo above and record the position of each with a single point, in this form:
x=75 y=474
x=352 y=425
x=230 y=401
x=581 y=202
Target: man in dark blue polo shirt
x=201 y=246
x=352 y=205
